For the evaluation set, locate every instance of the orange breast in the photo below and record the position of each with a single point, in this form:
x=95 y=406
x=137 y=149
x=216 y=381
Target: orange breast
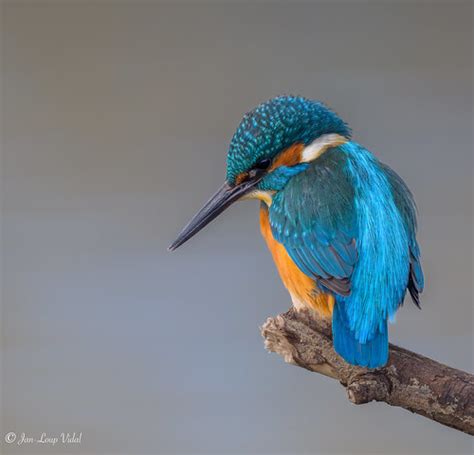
x=301 y=287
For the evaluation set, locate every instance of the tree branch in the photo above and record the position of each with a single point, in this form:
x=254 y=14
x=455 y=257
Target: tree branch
x=409 y=380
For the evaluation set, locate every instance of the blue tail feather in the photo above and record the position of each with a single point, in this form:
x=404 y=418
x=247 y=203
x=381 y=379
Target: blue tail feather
x=372 y=354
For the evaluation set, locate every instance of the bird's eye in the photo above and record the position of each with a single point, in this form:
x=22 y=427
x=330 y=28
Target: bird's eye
x=256 y=171
x=263 y=164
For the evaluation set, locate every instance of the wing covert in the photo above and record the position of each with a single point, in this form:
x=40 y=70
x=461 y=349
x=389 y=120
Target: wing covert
x=314 y=218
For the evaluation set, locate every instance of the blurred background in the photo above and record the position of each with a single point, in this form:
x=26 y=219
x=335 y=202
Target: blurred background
x=116 y=122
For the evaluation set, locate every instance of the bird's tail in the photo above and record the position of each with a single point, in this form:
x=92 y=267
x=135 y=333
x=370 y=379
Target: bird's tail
x=371 y=354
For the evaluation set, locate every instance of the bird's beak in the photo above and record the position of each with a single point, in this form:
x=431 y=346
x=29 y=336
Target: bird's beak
x=223 y=198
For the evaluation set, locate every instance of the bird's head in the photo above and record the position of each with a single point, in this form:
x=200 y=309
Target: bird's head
x=274 y=142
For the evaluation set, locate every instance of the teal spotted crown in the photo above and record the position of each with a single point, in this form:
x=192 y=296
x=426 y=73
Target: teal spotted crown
x=277 y=124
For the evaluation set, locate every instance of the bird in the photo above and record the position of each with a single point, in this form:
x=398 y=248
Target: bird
x=340 y=225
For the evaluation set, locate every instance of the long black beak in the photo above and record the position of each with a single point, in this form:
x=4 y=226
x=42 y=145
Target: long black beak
x=222 y=199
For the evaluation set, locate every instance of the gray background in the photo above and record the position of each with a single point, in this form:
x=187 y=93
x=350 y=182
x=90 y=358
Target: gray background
x=116 y=121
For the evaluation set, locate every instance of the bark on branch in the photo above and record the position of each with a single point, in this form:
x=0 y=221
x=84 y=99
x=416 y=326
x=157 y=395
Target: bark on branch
x=409 y=380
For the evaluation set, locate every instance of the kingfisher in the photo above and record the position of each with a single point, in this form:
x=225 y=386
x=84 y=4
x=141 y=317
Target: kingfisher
x=341 y=225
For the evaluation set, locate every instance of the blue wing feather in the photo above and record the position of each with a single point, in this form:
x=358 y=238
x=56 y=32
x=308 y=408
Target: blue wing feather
x=315 y=223
x=349 y=222
x=407 y=208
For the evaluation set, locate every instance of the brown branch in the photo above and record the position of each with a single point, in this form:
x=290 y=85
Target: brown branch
x=409 y=380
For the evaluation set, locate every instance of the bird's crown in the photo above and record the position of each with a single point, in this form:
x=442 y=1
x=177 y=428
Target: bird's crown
x=276 y=125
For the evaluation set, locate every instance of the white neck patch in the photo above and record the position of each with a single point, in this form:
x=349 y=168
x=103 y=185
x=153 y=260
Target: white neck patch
x=320 y=145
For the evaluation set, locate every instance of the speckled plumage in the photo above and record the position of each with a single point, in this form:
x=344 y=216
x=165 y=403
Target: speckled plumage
x=277 y=124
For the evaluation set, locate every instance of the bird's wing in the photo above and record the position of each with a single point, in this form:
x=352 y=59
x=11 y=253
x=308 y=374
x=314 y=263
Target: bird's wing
x=407 y=208
x=314 y=218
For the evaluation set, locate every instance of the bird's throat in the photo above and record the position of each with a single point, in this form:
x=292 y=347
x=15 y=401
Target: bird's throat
x=265 y=196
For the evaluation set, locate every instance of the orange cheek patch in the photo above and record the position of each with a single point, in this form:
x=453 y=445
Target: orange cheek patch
x=241 y=177
x=289 y=157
